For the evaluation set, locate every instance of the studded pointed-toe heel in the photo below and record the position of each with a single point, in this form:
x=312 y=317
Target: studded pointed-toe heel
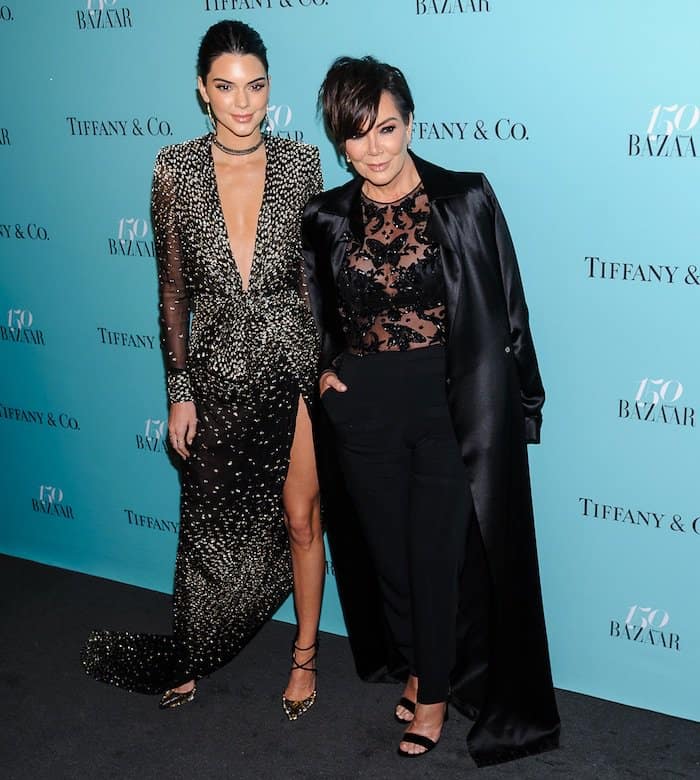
x=172 y=699
x=294 y=709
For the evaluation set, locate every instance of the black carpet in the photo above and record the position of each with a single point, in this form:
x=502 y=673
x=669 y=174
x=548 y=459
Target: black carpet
x=57 y=723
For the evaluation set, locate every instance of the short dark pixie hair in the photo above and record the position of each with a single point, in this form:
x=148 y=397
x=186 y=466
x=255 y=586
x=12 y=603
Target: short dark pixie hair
x=229 y=37
x=350 y=94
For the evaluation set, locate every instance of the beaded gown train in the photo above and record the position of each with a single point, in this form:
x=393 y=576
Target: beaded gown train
x=244 y=356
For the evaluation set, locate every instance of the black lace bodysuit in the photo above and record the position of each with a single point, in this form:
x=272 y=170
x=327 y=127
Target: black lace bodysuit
x=391 y=289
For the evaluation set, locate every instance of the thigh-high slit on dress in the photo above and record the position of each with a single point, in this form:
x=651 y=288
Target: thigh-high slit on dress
x=245 y=360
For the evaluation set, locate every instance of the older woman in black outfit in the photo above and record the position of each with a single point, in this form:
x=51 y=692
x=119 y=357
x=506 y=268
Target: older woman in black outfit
x=431 y=391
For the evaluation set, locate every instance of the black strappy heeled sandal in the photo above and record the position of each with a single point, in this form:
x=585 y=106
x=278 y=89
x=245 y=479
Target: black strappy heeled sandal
x=419 y=739
x=293 y=709
x=407 y=704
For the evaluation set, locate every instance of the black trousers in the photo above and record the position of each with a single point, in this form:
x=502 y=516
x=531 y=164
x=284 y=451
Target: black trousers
x=405 y=475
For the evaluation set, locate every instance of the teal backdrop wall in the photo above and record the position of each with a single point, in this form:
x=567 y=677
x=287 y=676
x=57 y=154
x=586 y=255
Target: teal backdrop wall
x=586 y=118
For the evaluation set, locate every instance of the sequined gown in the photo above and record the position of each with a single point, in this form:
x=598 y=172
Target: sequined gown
x=243 y=356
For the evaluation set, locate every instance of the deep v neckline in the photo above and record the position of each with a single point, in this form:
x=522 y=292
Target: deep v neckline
x=224 y=228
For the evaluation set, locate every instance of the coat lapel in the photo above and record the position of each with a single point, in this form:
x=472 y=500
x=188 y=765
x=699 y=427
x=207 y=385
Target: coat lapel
x=451 y=265
x=344 y=207
x=441 y=188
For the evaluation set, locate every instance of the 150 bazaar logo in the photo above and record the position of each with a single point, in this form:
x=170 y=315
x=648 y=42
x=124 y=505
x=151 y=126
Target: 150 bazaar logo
x=154 y=436
x=668 y=134
x=442 y=7
x=104 y=15
x=50 y=502
x=646 y=626
x=279 y=121
x=656 y=402
x=19 y=328
x=133 y=239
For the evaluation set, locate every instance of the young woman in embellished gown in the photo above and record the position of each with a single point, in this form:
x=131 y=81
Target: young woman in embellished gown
x=240 y=348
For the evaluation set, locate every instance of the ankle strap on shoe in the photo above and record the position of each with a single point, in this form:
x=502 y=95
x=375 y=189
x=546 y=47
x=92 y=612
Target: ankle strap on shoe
x=314 y=646
x=304 y=667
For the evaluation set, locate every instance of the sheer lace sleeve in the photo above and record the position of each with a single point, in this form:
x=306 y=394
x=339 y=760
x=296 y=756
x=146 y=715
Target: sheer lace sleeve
x=173 y=294
x=314 y=185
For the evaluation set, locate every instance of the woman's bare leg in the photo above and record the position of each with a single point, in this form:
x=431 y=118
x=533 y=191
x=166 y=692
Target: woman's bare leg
x=303 y=517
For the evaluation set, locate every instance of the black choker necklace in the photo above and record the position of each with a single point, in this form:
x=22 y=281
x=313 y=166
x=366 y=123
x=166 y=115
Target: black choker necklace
x=237 y=152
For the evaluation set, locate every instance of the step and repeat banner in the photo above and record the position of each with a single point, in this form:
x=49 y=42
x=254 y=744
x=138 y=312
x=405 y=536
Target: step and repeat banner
x=586 y=118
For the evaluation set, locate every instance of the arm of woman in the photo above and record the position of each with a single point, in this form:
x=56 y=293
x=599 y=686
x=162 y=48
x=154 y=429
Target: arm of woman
x=531 y=390
x=313 y=180
x=174 y=308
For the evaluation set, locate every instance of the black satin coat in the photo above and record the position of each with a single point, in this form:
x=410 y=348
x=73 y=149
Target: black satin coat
x=502 y=678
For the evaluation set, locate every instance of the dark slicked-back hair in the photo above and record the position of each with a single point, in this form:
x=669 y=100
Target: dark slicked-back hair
x=229 y=37
x=350 y=94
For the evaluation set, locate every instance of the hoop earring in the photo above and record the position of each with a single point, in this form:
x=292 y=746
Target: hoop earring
x=211 y=118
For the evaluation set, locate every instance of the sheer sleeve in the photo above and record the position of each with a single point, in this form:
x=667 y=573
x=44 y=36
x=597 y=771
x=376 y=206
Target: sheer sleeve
x=174 y=302
x=314 y=185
